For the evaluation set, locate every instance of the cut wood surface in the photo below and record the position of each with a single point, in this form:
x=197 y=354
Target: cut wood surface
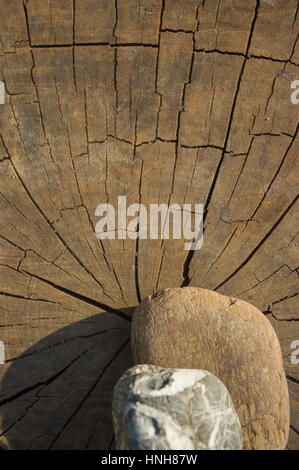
x=162 y=101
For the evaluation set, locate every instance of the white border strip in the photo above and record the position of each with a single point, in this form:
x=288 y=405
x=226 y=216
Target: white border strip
x=2 y=353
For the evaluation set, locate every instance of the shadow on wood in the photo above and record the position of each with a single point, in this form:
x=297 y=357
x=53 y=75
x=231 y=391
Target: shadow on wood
x=57 y=394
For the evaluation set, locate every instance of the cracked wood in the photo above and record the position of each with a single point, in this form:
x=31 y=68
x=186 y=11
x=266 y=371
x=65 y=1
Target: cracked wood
x=163 y=101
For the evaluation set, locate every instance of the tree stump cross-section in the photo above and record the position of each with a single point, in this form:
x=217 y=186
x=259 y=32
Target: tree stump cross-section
x=161 y=101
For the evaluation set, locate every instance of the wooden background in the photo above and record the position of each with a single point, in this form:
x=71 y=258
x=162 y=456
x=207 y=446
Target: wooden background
x=165 y=102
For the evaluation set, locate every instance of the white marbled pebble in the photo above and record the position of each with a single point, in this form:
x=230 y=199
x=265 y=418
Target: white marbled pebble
x=156 y=408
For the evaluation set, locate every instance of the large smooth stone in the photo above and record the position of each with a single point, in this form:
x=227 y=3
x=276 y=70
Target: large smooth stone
x=196 y=328
x=179 y=409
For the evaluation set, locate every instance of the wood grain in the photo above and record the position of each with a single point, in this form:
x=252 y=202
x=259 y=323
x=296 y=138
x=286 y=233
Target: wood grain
x=163 y=101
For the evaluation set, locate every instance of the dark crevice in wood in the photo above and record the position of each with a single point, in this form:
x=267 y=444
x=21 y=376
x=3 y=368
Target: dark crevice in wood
x=260 y=281
x=89 y=393
x=59 y=343
x=157 y=139
x=37 y=398
x=295 y=17
x=26 y=390
x=271 y=134
x=157 y=70
x=22 y=297
x=189 y=257
x=269 y=312
x=168 y=30
x=87 y=300
x=24 y=253
x=186 y=269
x=292 y=379
x=276 y=173
x=277 y=74
x=160 y=268
x=188 y=260
x=222 y=251
x=177 y=144
x=233 y=108
x=27 y=22
x=116 y=21
x=73 y=48
x=241 y=171
x=285 y=298
x=138 y=294
x=294 y=429
x=39 y=107
x=115 y=70
x=259 y=245
x=293 y=49
x=111 y=442
x=207 y=146
x=248 y=56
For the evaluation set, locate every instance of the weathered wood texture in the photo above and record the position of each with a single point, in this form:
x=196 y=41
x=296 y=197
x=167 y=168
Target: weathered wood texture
x=162 y=101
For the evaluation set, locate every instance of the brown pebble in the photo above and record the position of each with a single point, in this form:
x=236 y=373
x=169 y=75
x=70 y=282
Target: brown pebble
x=200 y=329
